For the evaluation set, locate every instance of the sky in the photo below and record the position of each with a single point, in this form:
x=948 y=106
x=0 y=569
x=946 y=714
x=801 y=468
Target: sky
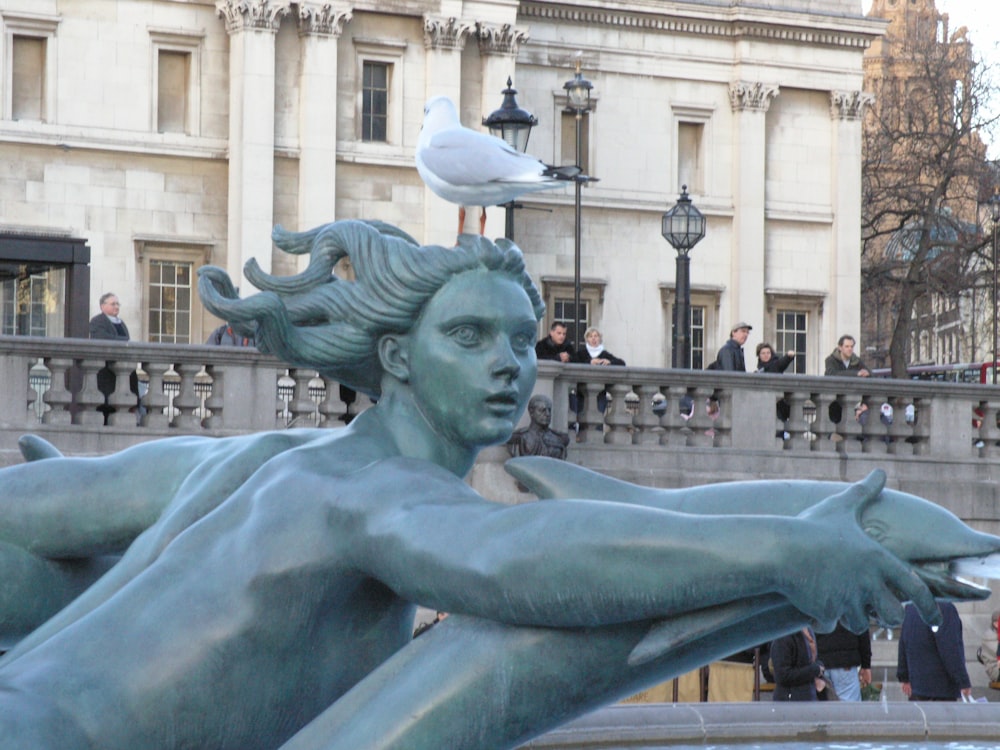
x=982 y=17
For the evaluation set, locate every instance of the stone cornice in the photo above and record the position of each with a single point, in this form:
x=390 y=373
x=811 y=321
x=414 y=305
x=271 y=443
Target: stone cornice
x=241 y=15
x=849 y=105
x=446 y=33
x=322 y=19
x=499 y=40
x=719 y=26
x=756 y=96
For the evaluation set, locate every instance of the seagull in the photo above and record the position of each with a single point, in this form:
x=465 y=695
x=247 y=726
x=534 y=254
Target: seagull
x=470 y=168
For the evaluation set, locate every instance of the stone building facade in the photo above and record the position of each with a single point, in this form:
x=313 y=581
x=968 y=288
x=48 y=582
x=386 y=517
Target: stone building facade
x=155 y=136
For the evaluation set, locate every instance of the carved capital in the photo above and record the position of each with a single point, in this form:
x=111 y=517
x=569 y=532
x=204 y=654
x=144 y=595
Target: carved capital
x=752 y=96
x=322 y=19
x=849 y=105
x=241 y=15
x=499 y=40
x=446 y=33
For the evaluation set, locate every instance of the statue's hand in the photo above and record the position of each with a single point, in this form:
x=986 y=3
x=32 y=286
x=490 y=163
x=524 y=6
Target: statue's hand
x=846 y=575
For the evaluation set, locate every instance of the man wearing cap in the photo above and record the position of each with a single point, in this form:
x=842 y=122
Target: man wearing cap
x=731 y=354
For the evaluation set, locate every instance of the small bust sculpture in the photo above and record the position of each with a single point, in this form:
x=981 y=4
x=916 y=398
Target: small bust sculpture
x=537 y=439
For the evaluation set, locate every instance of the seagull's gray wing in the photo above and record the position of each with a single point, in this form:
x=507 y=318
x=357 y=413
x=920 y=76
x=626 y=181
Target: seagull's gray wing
x=462 y=157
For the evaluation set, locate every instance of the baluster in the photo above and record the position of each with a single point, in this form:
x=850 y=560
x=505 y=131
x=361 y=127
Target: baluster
x=920 y=426
x=301 y=406
x=159 y=400
x=856 y=437
x=675 y=420
x=618 y=421
x=989 y=434
x=317 y=394
x=591 y=420
x=707 y=411
x=646 y=422
x=799 y=434
x=171 y=390
x=122 y=401
x=90 y=399
x=285 y=393
x=827 y=436
x=59 y=396
x=39 y=382
x=215 y=403
x=203 y=385
x=141 y=396
x=187 y=401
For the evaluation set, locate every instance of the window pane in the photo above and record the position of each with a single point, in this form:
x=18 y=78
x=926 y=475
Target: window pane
x=170 y=296
x=28 y=77
x=375 y=101
x=791 y=333
x=172 y=91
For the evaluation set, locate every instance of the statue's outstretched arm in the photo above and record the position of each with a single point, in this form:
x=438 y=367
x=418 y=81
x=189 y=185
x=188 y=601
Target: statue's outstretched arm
x=587 y=563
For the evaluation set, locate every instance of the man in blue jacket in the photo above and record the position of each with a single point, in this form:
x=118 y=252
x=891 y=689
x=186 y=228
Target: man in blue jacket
x=931 y=665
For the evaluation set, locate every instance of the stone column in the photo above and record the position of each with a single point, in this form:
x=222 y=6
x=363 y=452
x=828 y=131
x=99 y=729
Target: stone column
x=846 y=110
x=252 y=25
x=750 y=102
x=320 y=26
x=498 y=45
x=444 y=39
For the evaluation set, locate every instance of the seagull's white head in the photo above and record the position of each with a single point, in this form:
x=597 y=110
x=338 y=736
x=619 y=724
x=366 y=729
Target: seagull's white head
x=439 y=113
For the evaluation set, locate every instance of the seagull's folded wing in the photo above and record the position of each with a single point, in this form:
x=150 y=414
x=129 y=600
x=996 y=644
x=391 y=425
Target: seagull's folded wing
x=464 y=157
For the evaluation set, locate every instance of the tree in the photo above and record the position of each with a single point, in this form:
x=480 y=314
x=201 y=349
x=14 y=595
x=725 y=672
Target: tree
x=923 y=174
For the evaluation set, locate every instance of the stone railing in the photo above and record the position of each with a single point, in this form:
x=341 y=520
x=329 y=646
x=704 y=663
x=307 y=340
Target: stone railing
x=111 y=394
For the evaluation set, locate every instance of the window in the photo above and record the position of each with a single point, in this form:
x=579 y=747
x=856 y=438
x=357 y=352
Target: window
x=691 y=135
x=704 y=319
x=375 y=101
x=176 y=66
x=32 y=299
x=559 y=299
x=173 y=72
x=28 y=67
x=791 y=334
x=170 y=307
x=378 y=76
x=689 y=156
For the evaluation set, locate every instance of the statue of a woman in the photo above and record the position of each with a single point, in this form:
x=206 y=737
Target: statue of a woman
x=273 y=589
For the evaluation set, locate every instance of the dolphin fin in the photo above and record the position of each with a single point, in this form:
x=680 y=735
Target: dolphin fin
x=34 y=448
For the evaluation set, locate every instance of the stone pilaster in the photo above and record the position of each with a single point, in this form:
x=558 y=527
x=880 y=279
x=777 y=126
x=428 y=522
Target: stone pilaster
x=320 y=27
x=750 y=102
x=846 y=110
x=444 y=39
x=498 y=45
x=251 y=25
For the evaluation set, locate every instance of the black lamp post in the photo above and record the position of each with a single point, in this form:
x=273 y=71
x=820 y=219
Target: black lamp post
x=512 y=124
x=578 y=102
x=995 y=215
x=683 y=227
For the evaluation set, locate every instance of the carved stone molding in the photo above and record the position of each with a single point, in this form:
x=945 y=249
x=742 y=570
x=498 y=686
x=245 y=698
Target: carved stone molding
x=753 y=96
x=446 y=33
x=241 y=15
x=849 y=105
x=322 y=19
x=499 y=40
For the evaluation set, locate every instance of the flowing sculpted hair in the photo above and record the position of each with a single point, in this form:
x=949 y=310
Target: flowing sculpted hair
x=316 y=320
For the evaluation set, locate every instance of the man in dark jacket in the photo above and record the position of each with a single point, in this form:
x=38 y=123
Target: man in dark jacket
x=731 y=354
x=844 y=362
x=931 y=666
x=554 y=346
x=798 y=673
x=107 y=324
x=848 y=661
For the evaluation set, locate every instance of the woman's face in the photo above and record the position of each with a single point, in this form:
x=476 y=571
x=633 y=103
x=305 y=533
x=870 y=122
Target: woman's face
x=765 y=354
x=471 y=358
x=594 y=338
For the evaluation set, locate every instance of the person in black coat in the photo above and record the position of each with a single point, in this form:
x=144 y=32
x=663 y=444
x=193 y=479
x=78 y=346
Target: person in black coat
x=931 y=665
x=767 y=362
x=594 y=353
x=555 y=346
x=107 y=324
x=730 y=356
x=797 y=670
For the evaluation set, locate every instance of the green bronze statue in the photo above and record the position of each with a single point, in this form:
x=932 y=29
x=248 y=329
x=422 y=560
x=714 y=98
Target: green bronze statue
x=267 y=587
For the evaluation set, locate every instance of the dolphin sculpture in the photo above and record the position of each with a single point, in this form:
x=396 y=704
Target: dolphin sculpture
x=939 y=545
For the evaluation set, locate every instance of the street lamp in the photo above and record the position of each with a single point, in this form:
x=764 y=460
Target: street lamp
x=683 y=227
x=578 y=102
x=995 y=214
x=513 y=125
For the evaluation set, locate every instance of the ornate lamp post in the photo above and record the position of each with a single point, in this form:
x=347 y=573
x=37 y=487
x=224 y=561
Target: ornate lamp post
x=512 y=124
x=578 y=102
x=995 y=215
x=683 y=227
